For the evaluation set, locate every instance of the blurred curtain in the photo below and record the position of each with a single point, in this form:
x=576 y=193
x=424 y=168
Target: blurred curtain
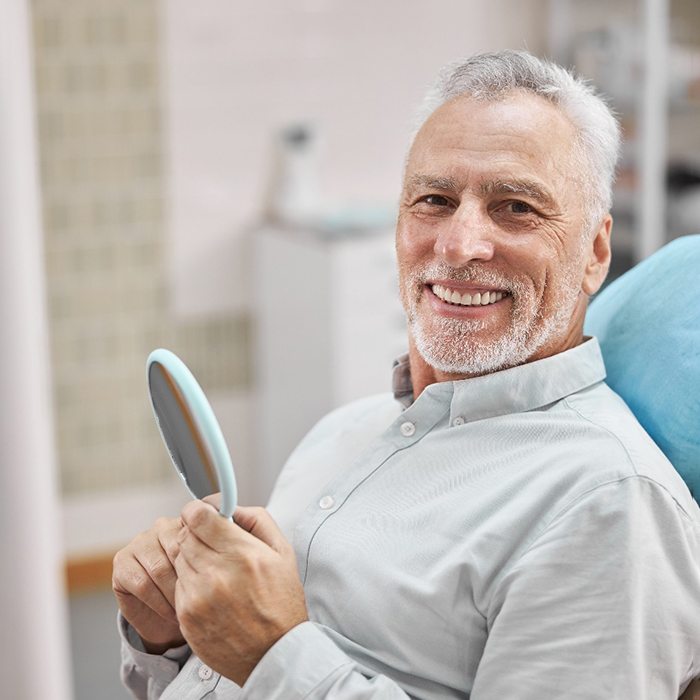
x=34 y=642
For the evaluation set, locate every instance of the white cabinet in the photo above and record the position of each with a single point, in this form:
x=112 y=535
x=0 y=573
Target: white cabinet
x=328 y=324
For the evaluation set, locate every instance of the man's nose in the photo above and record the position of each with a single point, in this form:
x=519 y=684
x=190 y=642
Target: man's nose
x=464 y=238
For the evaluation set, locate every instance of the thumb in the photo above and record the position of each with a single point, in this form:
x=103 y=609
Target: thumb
x=214 y=500
x=259 y=523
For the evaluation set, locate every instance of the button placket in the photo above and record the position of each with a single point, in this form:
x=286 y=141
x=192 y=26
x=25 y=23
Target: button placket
x=407 y=428
x=326 y=503
x=204 y=672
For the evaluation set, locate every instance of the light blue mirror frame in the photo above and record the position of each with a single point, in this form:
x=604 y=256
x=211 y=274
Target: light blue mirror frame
x=205 y=422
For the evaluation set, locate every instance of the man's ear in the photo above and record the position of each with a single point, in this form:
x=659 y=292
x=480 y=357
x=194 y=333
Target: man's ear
x=598 y=258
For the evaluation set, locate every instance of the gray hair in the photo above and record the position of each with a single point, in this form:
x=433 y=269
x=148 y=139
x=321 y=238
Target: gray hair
x=490 y=76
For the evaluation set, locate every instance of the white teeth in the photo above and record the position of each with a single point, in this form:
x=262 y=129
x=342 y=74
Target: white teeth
x=478 y=299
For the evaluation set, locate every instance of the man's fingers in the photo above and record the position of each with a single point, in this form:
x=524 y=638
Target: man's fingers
x=158 y=567
x=131 y=579
x=184 y=565
x=218 y=533
x=259 y=523
x=204 y=521
x=140 y=615
x=213 y=500
x=168 y=538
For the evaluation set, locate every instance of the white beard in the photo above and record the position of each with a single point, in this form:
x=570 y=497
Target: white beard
x=452 y=345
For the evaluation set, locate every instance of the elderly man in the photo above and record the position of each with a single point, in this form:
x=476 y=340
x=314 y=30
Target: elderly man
x=502 y=527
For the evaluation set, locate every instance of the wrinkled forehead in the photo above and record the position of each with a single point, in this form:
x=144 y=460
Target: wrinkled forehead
x=520 y=136
x=516 y=118
x=509 y=104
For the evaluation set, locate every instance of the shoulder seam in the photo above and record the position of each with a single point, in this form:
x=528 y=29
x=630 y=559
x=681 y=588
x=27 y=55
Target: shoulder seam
x=629 y=457
x=571 y=504
x=606 y=430
x=612 y=482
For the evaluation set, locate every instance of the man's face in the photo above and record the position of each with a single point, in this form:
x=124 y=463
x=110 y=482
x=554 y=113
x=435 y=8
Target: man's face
x=491 y=245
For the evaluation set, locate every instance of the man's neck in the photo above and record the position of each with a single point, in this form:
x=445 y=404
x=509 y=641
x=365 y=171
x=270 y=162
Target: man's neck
x=423 y=374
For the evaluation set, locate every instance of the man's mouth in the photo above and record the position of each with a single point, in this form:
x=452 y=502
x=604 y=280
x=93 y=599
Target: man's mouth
x=472 y=298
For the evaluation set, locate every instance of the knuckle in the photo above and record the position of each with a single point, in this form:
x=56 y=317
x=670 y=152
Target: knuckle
x=253 y=563
x=117 y=560
x=121 y=567
x=162 y=523
x=172 y=549
x=260 y=514
x=197 y=515
x=287 y=551
x=185 y=617
x=141 y=541
x=140 y=586
x=160 y=568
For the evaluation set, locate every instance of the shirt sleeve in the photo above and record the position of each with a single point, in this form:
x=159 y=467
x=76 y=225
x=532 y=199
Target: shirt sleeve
x=145 y=675
x=306 y=663
x=601 y=605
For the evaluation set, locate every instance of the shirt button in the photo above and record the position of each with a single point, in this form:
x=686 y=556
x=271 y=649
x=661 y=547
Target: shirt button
x=458 y=421
x=205 y=673
x=407 y=429
x=326 y=502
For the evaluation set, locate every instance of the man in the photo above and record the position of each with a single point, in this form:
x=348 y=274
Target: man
x=506 y=529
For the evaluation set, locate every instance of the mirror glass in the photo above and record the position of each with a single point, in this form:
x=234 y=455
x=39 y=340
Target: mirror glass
x=190 y=430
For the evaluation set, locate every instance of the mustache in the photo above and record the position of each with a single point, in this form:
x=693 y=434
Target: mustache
x=470 y=273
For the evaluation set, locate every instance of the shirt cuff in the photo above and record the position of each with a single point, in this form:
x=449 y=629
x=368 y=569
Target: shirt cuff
x=306 y=649
x=134 y=651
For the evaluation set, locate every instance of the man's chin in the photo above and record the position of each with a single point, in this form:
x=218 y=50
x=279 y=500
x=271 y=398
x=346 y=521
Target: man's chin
x=464 y=368
x=470 y=352
x=468 y=361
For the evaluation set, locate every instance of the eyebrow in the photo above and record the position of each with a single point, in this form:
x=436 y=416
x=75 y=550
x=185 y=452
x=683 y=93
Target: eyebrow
x=529 y=188
x=438 y=183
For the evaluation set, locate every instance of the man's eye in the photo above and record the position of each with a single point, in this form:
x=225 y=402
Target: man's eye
x=435 y=200
x=517 y=207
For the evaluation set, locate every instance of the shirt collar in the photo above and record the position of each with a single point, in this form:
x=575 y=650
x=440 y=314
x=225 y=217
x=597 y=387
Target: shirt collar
x=514 y=390
x=401 y=381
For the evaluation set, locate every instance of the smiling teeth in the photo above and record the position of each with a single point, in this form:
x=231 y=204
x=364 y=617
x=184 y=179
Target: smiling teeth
x=478 y=299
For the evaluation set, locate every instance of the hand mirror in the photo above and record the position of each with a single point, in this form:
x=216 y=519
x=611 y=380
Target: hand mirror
x=190 y=430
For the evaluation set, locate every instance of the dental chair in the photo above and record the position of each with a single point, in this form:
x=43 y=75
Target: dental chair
x=648 y=326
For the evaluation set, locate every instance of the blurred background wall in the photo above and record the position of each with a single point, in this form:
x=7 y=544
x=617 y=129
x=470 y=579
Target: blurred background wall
x=158 y=132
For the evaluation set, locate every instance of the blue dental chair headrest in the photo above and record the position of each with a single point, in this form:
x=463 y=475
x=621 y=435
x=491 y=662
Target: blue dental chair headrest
x=648 y=325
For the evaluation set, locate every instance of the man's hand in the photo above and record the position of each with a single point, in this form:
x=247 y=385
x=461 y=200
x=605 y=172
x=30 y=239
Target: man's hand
x=238 y=590
x=143 y=581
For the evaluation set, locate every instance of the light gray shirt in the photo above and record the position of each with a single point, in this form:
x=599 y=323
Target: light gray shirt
x=516 y=535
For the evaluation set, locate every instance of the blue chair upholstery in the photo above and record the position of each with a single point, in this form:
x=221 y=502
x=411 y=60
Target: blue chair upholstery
x=648 y=325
